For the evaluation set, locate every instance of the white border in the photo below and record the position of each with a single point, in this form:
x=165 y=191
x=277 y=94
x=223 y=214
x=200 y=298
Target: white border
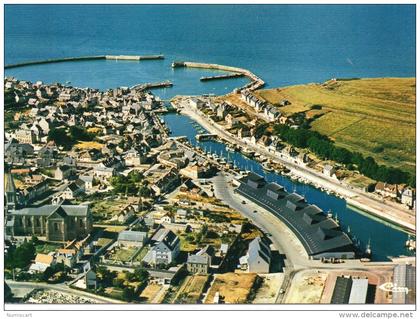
x=49 y=311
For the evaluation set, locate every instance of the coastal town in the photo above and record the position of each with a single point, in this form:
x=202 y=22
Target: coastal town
x=103 y=205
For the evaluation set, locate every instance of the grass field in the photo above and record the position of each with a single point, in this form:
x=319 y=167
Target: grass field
x=191 y=290
x=232 y=287
x=123 y=254
x=376 y=117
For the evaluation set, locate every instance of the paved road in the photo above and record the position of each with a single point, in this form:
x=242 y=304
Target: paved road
x=283 y=239
x=62 y=288
x=398 y=215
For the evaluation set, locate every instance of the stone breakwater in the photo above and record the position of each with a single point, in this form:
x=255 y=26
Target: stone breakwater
x=87 y=58
x=255 y=83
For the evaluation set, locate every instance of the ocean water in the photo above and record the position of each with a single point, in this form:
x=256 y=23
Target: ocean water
x=283 y=44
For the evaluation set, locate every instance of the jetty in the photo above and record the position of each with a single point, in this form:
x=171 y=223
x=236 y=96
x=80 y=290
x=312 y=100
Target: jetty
x=255 y=83
x=134 y=57
x=153 y=85
x=87 y=58
x=221 y=77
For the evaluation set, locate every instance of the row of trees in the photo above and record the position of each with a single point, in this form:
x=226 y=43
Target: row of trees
x=326 y=149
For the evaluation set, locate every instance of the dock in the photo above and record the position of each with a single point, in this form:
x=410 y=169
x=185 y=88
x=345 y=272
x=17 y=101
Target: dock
x=254 y=84
x=87 y=58
x=221 y=77
x=134 y=57
x=154 y=85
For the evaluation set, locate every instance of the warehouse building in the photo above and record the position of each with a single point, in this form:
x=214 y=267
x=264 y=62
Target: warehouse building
x=320 y=235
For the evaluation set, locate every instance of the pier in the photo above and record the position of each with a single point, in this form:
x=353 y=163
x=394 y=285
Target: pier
x=134 y=57
x=155 y=85
x=221 y=77
x=87 y=58
x=255 y=83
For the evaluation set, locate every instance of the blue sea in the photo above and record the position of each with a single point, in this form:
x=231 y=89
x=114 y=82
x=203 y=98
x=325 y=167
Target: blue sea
x=283 y=44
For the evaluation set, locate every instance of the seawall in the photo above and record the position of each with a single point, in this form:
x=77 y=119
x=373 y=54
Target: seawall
x=87 y=58
x=255 y=83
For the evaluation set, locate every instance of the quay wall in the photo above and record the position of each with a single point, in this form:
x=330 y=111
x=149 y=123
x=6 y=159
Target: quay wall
x=86 y=58
x=134 y=57
x=256 y=82
x=221 y=77
x=147 y=86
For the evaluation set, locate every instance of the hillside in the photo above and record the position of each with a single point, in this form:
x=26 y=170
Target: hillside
x=376 y=117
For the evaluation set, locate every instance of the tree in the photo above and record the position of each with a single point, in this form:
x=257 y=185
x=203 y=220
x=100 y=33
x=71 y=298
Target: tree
x=144 y=191
x=106 y=276
x=128 y=294
x=141 y=274
x=79 y=133
x=22 y=255
x=60 y=137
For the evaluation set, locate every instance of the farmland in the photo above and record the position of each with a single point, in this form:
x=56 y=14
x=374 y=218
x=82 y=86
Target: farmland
x=375 y=117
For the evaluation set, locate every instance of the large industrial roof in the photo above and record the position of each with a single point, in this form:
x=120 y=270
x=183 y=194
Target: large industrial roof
x=317 y=232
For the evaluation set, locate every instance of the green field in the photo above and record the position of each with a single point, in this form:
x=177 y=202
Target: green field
x=376 y=117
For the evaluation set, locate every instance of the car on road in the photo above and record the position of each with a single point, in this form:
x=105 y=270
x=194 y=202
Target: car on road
x=243 y=202
x=254 y=211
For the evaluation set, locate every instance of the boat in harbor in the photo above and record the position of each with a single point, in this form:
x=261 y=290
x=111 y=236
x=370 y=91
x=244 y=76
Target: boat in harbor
x=368 y=250
x=266 y=167
x=247 y=152
x=410 y=243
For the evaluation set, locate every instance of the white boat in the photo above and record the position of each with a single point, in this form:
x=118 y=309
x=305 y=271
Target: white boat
x=267 y=167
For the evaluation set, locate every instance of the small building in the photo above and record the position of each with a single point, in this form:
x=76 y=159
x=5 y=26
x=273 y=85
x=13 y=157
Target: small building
x=125 y=215
x=63 y=172
x=42 y=262
x=25 y=136
x=129 y=238
x=258 y=257
x=386 y=190
x=181 y=214
x=349 y=290
x=407 y=197
x=359 y=290
x=166 y=248
x=329 y=171
x=67 y=257
x=198 y=264
x=88 y=181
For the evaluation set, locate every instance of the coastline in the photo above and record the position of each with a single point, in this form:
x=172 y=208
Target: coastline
x=356 y=198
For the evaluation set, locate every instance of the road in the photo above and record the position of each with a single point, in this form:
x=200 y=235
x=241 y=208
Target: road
x=61 y=288
x=283 y=239
x=399 y=216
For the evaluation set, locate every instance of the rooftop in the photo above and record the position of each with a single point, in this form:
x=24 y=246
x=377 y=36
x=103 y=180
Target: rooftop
x=317 y=232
